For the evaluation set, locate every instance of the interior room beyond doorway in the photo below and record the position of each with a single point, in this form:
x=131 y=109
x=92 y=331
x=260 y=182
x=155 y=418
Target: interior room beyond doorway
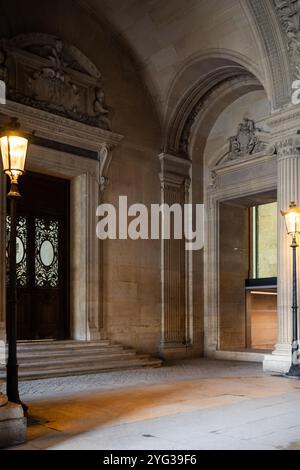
x=248 y=273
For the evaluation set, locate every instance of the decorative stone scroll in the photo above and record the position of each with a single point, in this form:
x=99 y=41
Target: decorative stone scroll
x=288 y=12
x=105 y=155
x=43 y=72
x=288 y=147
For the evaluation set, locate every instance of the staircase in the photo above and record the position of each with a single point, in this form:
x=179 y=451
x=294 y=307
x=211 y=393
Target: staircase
x=46 y=359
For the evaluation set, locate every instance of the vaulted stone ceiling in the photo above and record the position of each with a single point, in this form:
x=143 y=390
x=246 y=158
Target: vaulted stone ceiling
x=166 y=36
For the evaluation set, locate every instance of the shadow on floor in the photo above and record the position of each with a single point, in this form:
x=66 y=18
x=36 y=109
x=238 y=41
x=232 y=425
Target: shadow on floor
x=52 y=422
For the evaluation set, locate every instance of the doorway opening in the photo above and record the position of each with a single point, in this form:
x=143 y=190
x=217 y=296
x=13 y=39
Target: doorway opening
x=43 y=216
x=248 y=273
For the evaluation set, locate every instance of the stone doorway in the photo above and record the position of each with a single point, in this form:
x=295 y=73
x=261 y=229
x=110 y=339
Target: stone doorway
x=42 y=257
x=247 y=277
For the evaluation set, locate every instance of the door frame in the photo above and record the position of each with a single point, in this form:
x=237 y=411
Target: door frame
x=88 y=178
x=256 y=175
x=62 y=213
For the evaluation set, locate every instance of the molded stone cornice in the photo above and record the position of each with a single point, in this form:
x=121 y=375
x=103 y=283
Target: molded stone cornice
x=60 y=129
x=284 y=123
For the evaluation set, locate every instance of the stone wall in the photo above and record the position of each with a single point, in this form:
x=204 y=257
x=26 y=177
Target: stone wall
x=207 y=70
x=131 y=269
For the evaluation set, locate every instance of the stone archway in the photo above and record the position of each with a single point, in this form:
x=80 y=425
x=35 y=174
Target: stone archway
x=222 y=81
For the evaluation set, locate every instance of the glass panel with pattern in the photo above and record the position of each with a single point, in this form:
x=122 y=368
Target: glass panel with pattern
x=21 y=248
x=46 y=253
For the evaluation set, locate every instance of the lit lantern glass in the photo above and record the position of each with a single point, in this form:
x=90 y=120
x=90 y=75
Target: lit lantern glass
x=14 y=151
x=292 y=219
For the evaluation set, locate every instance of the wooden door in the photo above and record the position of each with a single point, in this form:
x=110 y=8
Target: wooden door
x=42 y=257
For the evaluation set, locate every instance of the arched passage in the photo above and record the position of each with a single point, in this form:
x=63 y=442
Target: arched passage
x=221 y=82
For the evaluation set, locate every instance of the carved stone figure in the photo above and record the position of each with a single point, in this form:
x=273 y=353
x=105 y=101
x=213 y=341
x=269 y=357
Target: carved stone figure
x=52 y=84
x=100 y=109
x=246 y=142
x=56 y=72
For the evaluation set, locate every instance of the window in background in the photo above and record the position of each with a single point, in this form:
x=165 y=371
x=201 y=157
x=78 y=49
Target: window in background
x=264 y=241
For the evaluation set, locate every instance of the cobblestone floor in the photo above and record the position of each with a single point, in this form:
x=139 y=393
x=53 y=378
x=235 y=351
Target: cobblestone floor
x=195 y=404
x=170 y=372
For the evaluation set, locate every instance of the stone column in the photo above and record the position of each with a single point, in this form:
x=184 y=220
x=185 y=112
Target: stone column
x=288 y=190
x=175 y=182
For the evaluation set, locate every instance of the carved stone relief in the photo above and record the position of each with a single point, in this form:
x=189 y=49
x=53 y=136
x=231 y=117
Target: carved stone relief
x=288 y=12
x=250 y=146
x=43 y=72
x=249 y=141
x=246 y=141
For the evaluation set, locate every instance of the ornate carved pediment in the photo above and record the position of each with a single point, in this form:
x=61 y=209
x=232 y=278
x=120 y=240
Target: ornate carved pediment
x=249 y=148
x=248 y=141
x=44 y=72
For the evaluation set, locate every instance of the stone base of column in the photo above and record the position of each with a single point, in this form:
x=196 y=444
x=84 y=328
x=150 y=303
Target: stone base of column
x=13 y=425
x=174 y=351
x=279 y=361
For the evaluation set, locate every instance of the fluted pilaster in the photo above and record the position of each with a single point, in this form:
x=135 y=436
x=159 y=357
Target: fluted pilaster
x=175 y=181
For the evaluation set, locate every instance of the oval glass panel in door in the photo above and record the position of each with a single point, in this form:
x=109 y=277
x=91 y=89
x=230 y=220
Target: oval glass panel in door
x=46 y=253
x=21 y=251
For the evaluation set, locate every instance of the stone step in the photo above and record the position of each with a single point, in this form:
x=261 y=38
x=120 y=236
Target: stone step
x=62 y=345
x=62 y=371
x=50 y=353
x=75 y=349
x=44 y=359
x=38 y=362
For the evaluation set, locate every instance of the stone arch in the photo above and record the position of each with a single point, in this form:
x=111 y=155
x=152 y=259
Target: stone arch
x=214 y=104
x=213 y=73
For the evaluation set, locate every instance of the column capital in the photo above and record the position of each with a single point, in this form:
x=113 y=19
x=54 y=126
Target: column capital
x=288 y=146
x=175 y=171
